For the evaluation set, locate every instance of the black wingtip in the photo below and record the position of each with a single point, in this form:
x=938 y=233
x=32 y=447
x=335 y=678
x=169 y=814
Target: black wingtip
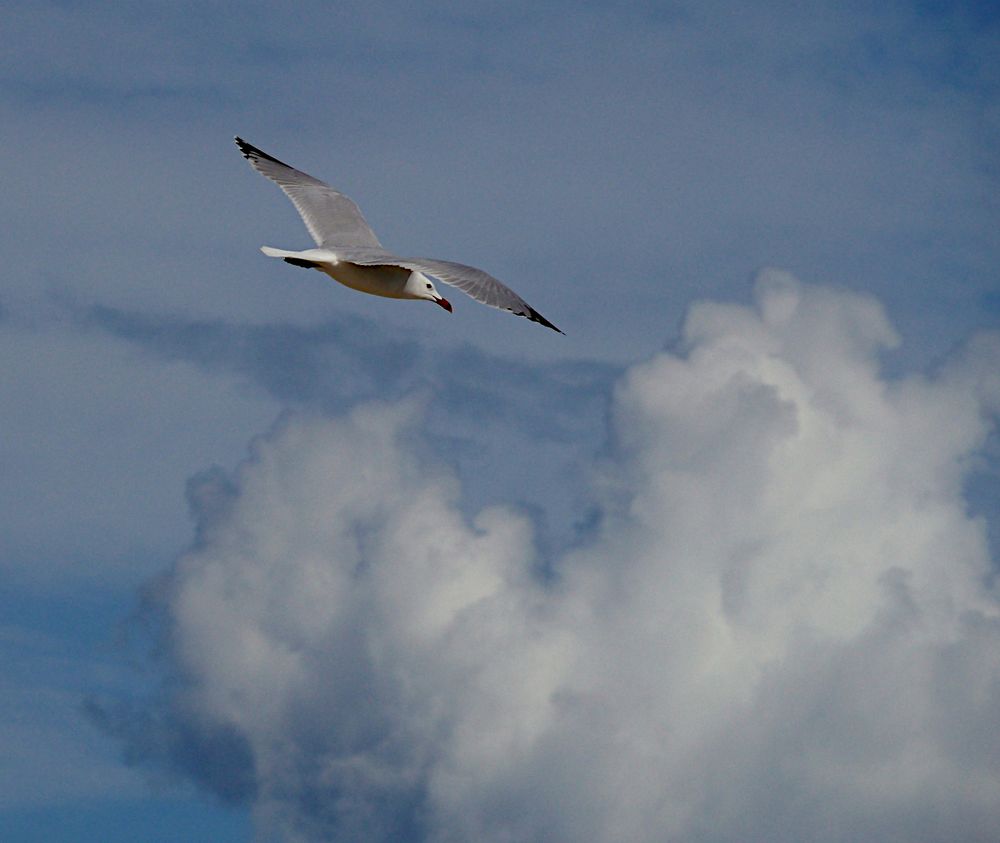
x=249 y=151
x=252 y=153
x=535 y=316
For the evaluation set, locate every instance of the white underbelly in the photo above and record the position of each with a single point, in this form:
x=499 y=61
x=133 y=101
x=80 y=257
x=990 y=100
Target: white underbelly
x=387 y=281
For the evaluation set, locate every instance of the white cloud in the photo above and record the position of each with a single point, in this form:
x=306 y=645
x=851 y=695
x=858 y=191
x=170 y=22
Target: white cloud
x=781 y=627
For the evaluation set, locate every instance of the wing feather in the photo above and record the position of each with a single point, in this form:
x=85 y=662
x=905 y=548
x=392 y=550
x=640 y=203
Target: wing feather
x=331 y=217
x=474 y=282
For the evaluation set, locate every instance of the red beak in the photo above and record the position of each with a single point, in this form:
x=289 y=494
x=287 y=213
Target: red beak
x=444 y=303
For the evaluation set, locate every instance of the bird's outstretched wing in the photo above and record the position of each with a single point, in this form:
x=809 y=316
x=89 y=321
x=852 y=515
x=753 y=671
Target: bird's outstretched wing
x=480 y=285
x=332 y=218
x=336 y=223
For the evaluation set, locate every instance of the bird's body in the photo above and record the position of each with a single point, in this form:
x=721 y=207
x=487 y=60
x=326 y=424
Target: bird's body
x=350 y=253
x=389 y=281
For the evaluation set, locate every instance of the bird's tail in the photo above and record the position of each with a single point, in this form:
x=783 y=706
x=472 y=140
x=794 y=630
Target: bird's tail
x=304 y=259
x=271 y=252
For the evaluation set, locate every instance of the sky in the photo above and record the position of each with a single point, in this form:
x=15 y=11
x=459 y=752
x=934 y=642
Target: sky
x=283 y=562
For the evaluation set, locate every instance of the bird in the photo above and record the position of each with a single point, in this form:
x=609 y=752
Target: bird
x=350 y=253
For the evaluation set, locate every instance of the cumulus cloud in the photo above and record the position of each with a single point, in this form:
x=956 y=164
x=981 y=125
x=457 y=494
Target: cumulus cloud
x=781 y=626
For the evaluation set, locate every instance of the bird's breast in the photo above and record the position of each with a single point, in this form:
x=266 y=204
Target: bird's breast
x=387 y=281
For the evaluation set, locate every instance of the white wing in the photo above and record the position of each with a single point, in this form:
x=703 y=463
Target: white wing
x=332 y=218
x=482 y=286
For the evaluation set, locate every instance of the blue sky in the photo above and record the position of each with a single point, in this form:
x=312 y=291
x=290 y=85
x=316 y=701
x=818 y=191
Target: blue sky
x=725 y=499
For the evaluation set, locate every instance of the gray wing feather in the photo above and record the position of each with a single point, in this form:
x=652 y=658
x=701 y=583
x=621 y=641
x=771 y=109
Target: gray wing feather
x=332 y=218
x=480 y=285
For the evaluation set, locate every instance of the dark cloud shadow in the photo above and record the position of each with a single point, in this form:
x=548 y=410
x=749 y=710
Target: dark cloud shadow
x=480 y=408
x=334 y=364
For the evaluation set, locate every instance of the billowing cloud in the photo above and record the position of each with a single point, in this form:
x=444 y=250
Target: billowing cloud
x=780 y=626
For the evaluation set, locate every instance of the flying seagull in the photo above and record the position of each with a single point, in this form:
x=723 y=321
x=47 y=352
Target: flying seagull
x=349 y=251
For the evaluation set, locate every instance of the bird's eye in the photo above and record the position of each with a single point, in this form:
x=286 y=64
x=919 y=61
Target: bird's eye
x=428 y=286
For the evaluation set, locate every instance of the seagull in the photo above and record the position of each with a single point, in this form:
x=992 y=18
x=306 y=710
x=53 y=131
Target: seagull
x=350 y=253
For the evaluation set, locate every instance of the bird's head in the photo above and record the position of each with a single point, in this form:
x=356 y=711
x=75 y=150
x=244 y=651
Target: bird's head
x=419 y=286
